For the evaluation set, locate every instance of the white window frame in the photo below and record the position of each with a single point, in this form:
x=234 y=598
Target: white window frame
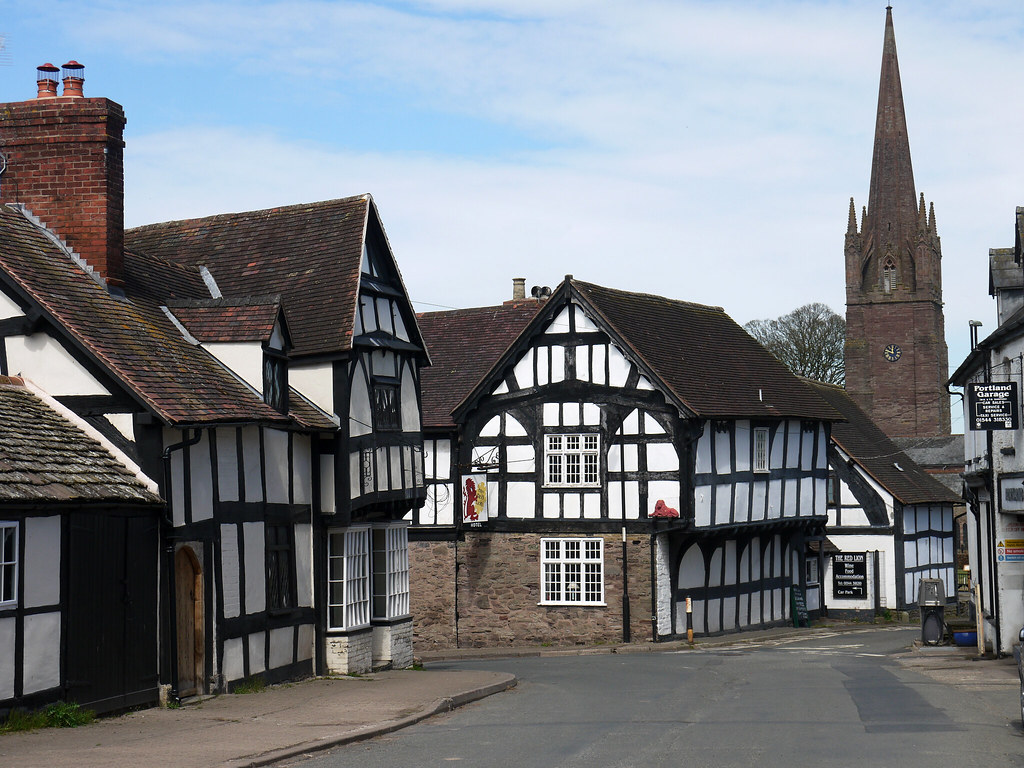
x=572 y=460
x=812 y=572
x=572 y=571
x=390 y=559
x=348 y=578
x=760 y=444
x=8 y=563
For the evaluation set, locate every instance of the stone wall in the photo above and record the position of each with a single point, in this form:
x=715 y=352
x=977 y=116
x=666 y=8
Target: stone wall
x=432 y=593
x=392 y=645
x=350 y=654
x=499 y=592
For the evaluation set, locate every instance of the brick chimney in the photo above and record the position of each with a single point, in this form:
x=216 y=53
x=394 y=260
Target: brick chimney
x=65 y=164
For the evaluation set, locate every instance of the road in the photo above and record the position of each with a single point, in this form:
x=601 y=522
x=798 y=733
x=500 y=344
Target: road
x=842 y=699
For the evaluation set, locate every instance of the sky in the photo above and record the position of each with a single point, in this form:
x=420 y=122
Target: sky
x=705 y=151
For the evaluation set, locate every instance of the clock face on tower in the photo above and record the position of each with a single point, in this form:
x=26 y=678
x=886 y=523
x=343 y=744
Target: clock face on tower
x=892 y=352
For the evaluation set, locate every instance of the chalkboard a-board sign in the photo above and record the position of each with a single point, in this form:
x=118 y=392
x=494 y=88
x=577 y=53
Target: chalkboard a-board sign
x=799 y=606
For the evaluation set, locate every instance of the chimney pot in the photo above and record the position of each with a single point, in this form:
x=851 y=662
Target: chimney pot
x=74 y=76
x=518 y=288
x=46 y=81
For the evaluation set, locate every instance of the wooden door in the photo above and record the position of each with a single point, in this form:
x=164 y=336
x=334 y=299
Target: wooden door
x=189 y=605
x=111 y=659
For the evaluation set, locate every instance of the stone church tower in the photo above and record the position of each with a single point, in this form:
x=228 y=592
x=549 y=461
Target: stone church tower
x=896 y=358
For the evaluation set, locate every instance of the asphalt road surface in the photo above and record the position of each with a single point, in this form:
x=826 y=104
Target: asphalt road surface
x=833 y=700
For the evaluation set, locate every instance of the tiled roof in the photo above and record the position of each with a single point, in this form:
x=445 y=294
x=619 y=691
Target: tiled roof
x=464 y=344
x=134 y=339
x=226 y=320
x=46 y=458
x=309 y=254
x=157 y=280
x=866 y=444
x=705 y=359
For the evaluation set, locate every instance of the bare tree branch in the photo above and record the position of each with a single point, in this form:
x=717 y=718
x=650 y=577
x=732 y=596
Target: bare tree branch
x=809 y=341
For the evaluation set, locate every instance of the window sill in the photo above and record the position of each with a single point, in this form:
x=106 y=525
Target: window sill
x=574 y=604
x=348 y=630
x=578 y=487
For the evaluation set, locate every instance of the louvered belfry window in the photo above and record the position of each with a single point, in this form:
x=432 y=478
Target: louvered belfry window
x=889 y=279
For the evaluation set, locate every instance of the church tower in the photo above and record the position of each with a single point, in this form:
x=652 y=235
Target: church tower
x=896 y=358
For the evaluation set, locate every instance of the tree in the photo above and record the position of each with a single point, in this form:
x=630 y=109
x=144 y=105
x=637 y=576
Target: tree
x=809 y=341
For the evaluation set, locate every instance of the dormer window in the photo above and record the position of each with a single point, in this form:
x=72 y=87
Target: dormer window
x=889 y=280
x=275 y=380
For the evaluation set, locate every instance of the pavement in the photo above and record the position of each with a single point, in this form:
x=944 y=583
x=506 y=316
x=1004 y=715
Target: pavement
x=293 y=720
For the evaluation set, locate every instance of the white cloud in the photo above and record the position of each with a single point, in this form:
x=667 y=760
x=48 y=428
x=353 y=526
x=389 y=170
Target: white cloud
x=703 y=150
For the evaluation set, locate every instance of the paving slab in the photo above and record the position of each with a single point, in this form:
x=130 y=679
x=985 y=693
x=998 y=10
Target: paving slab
x=236 y=730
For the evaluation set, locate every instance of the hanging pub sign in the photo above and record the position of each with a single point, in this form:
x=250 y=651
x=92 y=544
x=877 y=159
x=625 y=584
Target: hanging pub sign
x=993 y=405
x=850 y=575
x=474 y=499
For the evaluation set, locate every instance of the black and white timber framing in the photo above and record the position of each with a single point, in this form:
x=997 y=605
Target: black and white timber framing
x=254 y=495
x=747 y=506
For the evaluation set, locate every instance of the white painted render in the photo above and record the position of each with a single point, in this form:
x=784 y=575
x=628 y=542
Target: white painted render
x=327 y=502
x=7 y=634
x=244 y=359
x=42 y=561
x=233 y=666
x=42 y=667
x=275 y=447
x=229 y=560
x=8 y=307
x=409 y=401
x=302 y=472
x=304 y=563
x=253 y=471
x=201 y=479
x=315 y=381
x=360 y=419
x=52 y=368
x=254 y=554
x=257 y=652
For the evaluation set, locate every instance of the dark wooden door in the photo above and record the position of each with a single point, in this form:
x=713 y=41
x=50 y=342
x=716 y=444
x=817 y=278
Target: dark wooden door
x=111 y=641
x=188 y=588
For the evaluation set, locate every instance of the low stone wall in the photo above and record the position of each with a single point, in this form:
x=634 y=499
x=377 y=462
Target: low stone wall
x=392 y=645
x=499 y=591
x=350 y=654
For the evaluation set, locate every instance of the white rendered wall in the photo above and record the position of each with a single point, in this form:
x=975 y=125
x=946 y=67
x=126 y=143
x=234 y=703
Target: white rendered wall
x=43 y=360
x=42 y=561
x=244 y=360
x=316 y=382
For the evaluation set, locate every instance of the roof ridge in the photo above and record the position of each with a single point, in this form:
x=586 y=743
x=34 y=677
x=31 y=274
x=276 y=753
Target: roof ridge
x=366 y=196
x=641 y=294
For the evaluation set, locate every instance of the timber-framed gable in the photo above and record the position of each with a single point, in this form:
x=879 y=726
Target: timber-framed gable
x=581 y=432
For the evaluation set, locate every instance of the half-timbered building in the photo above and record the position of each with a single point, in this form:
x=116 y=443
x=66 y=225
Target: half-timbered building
x=606 y=458
x=263 y=367
x=890 y=523
x=79 y=554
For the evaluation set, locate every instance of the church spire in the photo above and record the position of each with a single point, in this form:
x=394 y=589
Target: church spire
x=892 y=209
x=895 y=353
